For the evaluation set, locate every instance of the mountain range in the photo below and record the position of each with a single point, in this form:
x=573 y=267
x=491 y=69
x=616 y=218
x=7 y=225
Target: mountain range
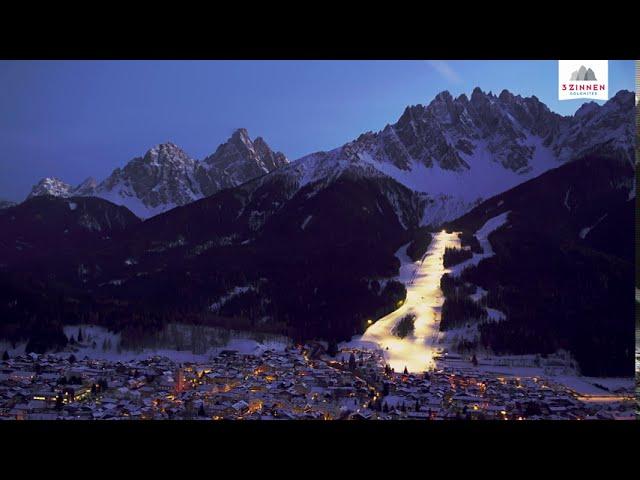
x=166 y=177
x=307 y=248
x=453 y=152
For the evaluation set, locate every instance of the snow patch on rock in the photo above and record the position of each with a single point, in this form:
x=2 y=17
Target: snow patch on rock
x=585 y=231
x=306 y=222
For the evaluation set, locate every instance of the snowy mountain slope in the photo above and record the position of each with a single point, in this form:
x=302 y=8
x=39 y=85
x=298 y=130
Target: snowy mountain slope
x=166 y=177
x=594 y=129
x=563 y=266
x=51 y=186
x=236 y=161
x=461 y=151
x=455 y=151
x=86 y=188
x=148 y=185
x=358 y=204
x=188 y=258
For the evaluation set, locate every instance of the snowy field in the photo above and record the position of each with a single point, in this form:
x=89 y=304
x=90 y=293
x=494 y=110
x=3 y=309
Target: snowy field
x=98 y=343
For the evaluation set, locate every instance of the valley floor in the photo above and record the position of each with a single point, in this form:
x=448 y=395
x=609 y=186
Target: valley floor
x=237 y=376
x=293 y=383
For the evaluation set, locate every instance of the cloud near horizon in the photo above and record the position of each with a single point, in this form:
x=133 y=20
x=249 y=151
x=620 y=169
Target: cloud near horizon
x=445 y=70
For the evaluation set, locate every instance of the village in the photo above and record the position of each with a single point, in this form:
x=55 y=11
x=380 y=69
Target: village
x=299 y=382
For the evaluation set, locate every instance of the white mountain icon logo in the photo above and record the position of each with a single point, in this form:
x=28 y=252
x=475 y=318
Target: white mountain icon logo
x=583 y=74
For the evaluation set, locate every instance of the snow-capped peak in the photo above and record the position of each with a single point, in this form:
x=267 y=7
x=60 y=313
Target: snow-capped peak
x=241 y=135
x=455 y=150
x=166 y=153
x=460 y=151
x=87 y=187
x=51 y=186
x=166 y=176
x=238 y=160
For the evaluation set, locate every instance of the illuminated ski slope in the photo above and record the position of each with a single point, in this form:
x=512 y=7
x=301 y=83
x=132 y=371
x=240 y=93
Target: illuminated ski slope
x=424 y=300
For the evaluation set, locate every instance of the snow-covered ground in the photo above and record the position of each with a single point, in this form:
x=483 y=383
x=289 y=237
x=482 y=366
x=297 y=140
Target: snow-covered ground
x=107 y=345
x=454 y=193
x=483 y=237
x=123 y=194
x=306 y=222
x=558 y=368
x=6 y=346
x=231 y=294
x=585 y=231
x=484 y=179
x=424 y=300
x=594 y=386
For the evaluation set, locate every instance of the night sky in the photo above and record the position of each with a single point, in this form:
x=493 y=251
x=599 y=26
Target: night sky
x=76 y=119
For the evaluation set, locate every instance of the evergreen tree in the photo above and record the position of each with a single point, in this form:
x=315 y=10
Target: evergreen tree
x=72 y=358
x=332 y=349
x=474 y=360
x=201 y=411
x=385 y=389
x=80 y=337
x=352 y=362
x=72 y=340
x=5 y=356
x=406 y=372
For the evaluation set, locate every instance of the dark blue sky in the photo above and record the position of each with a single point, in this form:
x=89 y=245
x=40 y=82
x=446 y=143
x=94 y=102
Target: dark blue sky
x=74 y=119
